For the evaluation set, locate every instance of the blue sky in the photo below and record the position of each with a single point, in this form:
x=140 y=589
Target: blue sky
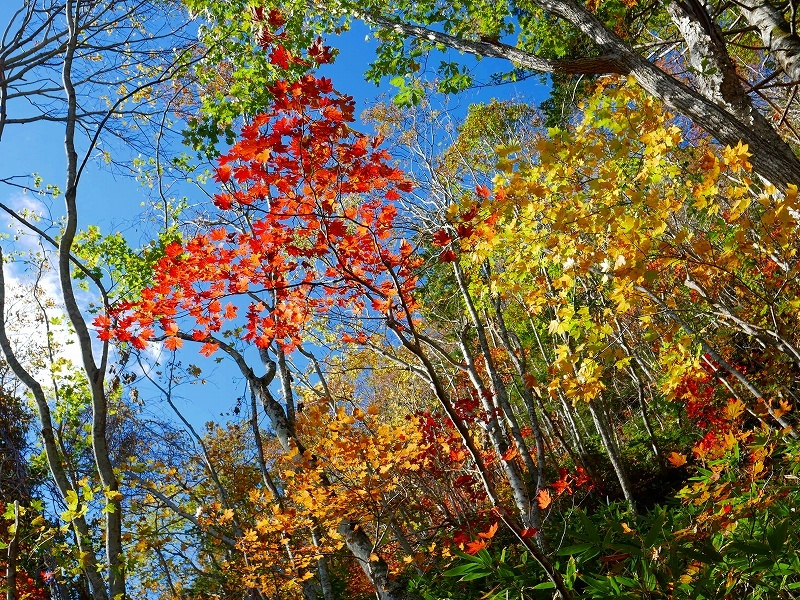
x=114 y=202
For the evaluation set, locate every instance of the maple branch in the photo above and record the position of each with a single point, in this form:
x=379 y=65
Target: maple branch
x=318 y=370
x=437 y=347
x=416 y=370
x=272 y=407
x=762 y=334
x=168 y=73
x=52 y=241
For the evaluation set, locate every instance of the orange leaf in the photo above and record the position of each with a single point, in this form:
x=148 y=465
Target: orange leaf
x=528 y=532
x=476 y=546
x=223 y=173
x=543 y=499
x=173 y=343
x=208 y=349
x=676 y=460
x=218 y=234
x=102 y=321
x=489 y=533
x=510 y=454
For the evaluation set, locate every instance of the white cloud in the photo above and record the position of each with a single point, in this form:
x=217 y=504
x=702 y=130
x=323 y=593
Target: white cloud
x=33 y=292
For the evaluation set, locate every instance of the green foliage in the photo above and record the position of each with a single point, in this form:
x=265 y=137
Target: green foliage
x=230 y=78
x=110 y=256
x=488 y=126
x=488 y=576
x=742 y=547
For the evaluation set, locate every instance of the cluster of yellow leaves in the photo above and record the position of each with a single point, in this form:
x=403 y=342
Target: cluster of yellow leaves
x=614 y=212
x=352 y=469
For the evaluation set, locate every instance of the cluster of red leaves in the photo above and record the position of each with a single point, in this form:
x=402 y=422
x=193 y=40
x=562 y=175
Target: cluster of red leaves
x=444 y=450
x=484 y=539
x=357 y=585
x=454 y=493
x=27 y=587
x=485 y=530
x=698 y=390
x=570 y=482
x=320 y=202
x=567 y=483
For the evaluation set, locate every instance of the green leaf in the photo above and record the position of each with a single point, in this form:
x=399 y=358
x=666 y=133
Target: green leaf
x=751 y=548
x=655 y=530
x=777 y=537
x=460 y=570
x=574 y=549
x=477 y=575
x=588 y=528
x=705 y=553
x=572 y=569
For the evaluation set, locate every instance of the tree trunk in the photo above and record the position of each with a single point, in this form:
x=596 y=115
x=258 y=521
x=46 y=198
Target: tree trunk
x=776 y=35
x=54 y=463
x=373 y=566
x=114 y=552
x=527 y=509
x=613 y=456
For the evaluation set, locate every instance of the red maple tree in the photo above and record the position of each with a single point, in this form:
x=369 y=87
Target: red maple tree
x=312 y=213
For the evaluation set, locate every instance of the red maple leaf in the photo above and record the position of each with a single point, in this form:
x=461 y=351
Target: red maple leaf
x=447 y=256
x=279 y=56
x=476 y=546
x=320 y=53
x=483 y=191
x=441 y=238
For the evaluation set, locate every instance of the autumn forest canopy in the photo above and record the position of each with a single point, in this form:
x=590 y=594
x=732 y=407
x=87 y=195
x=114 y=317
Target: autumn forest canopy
x=510 y=349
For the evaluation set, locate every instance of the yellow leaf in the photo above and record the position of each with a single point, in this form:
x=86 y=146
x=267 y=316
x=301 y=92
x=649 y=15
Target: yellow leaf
x=734 y=409
x=626 y=529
